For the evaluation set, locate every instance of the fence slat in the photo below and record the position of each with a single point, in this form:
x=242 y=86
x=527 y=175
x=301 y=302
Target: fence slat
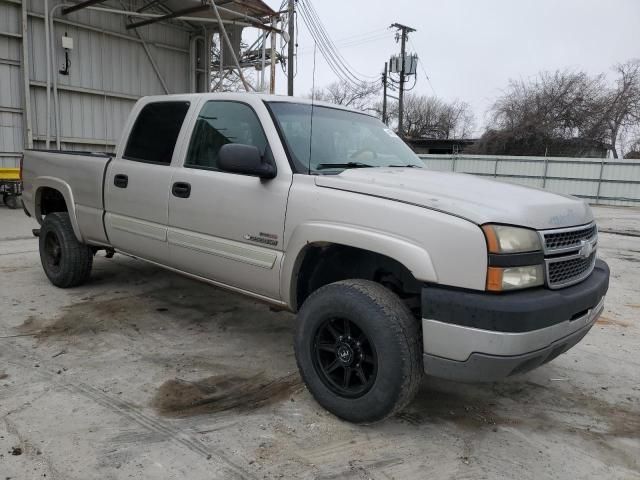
x=599 y=181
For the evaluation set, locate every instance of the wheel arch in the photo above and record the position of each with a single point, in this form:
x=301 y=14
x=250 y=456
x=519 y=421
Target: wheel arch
x=54 y=195
x=312 y=242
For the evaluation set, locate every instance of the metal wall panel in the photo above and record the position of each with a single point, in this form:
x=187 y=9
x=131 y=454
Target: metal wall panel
x=475 y=166
x=512 y=166
x=10 y=18
x=11 y=130
x=10 y=86
x=11 y=134
x=109 y=65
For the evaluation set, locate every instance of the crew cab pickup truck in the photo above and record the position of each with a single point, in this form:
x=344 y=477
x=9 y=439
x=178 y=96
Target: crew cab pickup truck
x=394 y=270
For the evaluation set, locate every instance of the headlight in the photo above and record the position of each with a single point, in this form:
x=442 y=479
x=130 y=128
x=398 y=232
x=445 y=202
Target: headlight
x=512 y=278
x=504 y=239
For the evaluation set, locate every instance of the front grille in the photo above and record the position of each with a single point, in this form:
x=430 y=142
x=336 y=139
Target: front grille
x=570 y=254
x=572 y=270
x=569 y=238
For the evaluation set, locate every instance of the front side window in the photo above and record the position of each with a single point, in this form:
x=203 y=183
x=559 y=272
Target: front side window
x=155 y=132
x=329 y=140
x=219 y=123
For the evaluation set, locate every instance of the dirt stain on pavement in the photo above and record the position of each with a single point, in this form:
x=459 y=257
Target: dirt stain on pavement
x=611 y=321
x=3 y=375
x=204 y=309
x=433 y=406
x=182 y=398
x=88 y=317
x=525 y=404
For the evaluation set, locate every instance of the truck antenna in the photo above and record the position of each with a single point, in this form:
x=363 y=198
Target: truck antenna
x=313 y=96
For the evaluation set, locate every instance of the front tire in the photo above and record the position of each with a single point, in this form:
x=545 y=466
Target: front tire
x=66 y=261
x=358 y=350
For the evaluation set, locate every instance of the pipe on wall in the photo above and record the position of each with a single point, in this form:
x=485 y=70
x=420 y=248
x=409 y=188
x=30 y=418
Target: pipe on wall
x=48 y=67
x=193 y=50
x=25 y=77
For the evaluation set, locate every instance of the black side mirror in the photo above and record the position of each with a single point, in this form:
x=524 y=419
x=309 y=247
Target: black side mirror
x=246 y=160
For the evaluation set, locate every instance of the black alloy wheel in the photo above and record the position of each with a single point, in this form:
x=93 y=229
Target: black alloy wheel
x=359 y=350
x=345 y=359
x=52 y=253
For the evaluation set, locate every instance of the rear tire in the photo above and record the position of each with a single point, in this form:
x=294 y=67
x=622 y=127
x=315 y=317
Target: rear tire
x=359 y=351
x=11 y=201
x=66 y=261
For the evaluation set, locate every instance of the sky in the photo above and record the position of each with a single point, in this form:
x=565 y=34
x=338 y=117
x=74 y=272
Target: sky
x=471 y=48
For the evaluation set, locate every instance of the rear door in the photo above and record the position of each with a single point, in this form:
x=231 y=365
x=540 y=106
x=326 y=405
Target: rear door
x=227 y=227
x=138 y=182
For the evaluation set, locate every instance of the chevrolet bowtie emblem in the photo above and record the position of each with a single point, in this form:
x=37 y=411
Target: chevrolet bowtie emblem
x=586 y=249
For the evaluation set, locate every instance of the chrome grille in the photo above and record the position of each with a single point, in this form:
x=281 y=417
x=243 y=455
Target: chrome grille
x=565 y=238
x=569 y=270
x=570 y=254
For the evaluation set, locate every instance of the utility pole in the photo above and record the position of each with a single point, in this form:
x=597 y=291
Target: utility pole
x=384 y=94
x=404 y=31
x=292 y=32
x=272 y=56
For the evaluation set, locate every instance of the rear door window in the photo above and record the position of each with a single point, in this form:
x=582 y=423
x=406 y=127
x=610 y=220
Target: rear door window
x=155 y=132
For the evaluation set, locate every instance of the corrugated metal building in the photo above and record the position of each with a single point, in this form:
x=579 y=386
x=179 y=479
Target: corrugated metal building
x=110 y=67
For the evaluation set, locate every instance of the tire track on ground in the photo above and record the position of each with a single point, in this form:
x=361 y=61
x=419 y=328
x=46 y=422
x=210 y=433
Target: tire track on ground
x=227 y=468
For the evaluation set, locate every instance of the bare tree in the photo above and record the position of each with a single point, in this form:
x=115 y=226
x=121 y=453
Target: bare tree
x=621 y=104
x=634 y=150
x=431 y=117
x=564 y=112
x=360 y=97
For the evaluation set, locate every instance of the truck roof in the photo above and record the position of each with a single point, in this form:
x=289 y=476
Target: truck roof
x=239 y=95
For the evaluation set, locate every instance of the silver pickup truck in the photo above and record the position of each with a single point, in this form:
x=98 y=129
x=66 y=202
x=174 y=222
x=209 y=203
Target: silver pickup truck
x=393 y=270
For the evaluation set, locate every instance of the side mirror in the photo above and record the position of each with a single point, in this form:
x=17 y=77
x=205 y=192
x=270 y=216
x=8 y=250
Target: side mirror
x=245 y=160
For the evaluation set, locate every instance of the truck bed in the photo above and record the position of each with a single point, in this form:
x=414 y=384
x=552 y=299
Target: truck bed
x=79 y=176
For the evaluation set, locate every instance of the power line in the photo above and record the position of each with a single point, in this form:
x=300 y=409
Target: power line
x=340 y=69
x=422 y=67
x=330 y=42
x=353 y=43
x=336 y=68
x=327 y=48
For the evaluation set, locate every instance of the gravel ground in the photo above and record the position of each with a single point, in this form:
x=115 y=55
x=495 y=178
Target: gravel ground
x=145 y=374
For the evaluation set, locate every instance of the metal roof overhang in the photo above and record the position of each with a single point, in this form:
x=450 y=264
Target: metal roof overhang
x=254 y=12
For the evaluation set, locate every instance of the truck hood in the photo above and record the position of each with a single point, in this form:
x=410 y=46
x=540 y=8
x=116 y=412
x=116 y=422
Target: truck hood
x=476 y=199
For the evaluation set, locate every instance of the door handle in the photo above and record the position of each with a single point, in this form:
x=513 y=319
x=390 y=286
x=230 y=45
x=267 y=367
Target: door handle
x=181 y=189
x=121 y=181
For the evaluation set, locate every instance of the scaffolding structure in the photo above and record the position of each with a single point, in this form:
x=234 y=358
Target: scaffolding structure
x=70 y=71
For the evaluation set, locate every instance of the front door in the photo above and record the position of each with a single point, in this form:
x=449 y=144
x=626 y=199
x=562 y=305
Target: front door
x=138 y=183
x=223 y=226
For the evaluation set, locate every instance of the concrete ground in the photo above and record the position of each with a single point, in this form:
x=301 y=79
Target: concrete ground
x=145 y=374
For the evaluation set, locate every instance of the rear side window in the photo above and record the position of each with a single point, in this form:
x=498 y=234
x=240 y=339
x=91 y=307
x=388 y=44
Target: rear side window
x=154 y=135
x=219 y=123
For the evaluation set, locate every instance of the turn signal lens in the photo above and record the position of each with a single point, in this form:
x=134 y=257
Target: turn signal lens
x=505 y=239
x=513 y=278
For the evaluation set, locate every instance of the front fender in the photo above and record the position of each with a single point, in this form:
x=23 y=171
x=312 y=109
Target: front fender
x=414 y=257
x=64 y=188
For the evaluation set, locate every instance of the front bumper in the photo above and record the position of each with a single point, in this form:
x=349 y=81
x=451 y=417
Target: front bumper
x=476 y=336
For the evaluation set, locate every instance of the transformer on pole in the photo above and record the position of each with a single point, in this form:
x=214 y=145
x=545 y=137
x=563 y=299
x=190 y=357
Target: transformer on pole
x=403 y=32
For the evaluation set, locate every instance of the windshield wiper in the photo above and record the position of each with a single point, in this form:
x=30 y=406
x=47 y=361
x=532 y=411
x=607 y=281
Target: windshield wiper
x=405 y=166
x=324 y=166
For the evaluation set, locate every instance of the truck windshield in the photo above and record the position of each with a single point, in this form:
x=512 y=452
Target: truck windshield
x=338 y=139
